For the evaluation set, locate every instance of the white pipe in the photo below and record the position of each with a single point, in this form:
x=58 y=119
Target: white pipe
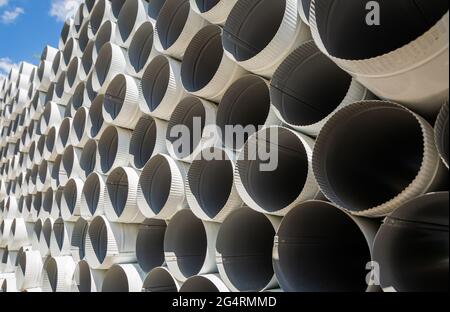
x=37 y=104
x=109 y=243
x=5 y=230
x=116 y=7
x=65 y=31
x=297 y=89
x=48 y=53
x=71 y=50
x=89 y=160
x=92 y=197
x=78 y=239
x=55 y=212
x=95 y=122
x=45 y=237
x=85 y=35
x=150 y=244
x=86 y=279
x=87 y=60
x=44 y=177
x=60 y=239
x=56 y=71
x=8 y=283
x=141 y=51
x=205 y=284
x=161 y=191
x=113 y=148
x=26 y=68
x=36 y=235
x=78 y=135
x=120 y=196
x=100 y=13
x=60 y=96
x=72 y=76
x=11 y=208
x=244 y=251
x=57 y=274
x=52 y=116
x=176 y=25
x=123 y=278
x=50 y=152
x=18 y=235
x=59 y=176
x=71 y=200
x=385 y=173
x=29 y=270
x=441 y=133
x=63 y=135
x=216 y=12
x=49 y=202
x=160 y=280
x=132 y=14
x=80 y=98
x=105 y=34
x=37 y=206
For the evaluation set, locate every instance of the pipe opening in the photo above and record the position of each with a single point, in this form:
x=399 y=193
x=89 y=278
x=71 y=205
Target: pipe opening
x=79 y=123
x=21 y=205
x=88 y=160
x=155 y=81
x=251 y=26
x=56 y=169
x=150 y=244
x=51 y=139
x=186 y=238
x=65 y=31
x=107 y=148
x=59 y=232
x=141 y=46
x=356 y=40
x=104 y=35
x=37 y=202
x=98 y=235
x=83 y=273
x=171 y=21
x=68 y=159
x=143 y=141
x=48 y=200
x=127 y=18
x=321 y=249
x=59 y=86
x=97 y=15
x=72 y=71
x=87 y=59
x=64 y=131
x=84 y=38
x=96 y=115
x=117 y=187
x=116 y=280
x=70 y=195
x=41 y=145
x=160 y=280
x=68 y=50
x=245 y=242
x=78 y=97
x=206 y=5
x=51 y=270
x=47 y=230
x=103 y=63
x=37 y=229
x=246 y=103
x=115 y=96
x=42 y=173
x=89 y=5
x=92 y=191
x=116 y=6
x=154 y=7
x=78 y=238
x=199 y=284
x=202 y=58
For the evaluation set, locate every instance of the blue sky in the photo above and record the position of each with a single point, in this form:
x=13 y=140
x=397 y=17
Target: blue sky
x=26 y=26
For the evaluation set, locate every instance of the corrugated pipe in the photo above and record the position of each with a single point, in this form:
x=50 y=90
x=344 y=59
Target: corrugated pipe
x=71 y=50
x=60 y=95
x=161 y=192
x=86 y=279
x=113 y=148
x=78 y=135
x=116 y=6
x=441 y=133
x=210 y=189
x=60 y=240
x=161 y=87
x=43 y=180
x=85 y=36
x=150 y=244
x=408 y=261
x=121 y=102
x=189 y=245
x=65 y=33
x=259 y=34
x=44 y=240
x=57 y=274
x=187 y=114
x=123 y=278
x=207 y=71
x=110 y=243
x=160 y=280
x=57 y=171
x=50 y=144
x=148 y=139
x=100 y=13
x=105 y=34
x=49 y=202
x=420 y=81
x=89 y=160
x=62 y=139
x=80 y=98
x=120 y=196
x=296 y=89
x=72 y=76
x=29 y=270
x=92 y=197
x=95 y=123
x=37 y=104
x=56 y=69
x=78 y=239
x=141 y=51
x=132 y=14
x=385 y=173
x=8 y=283
x=246 y=104
x=37 y=232
x=88 y=6
x=320 y=248
x=87 y=60
x=5 y=230
x=214 y=11
x=244 y=251
x=49 y=53
x=289 y=179
x=71 y=163
x=208 y=283
x=52 y=116
x=18 y=235
x=71 y=200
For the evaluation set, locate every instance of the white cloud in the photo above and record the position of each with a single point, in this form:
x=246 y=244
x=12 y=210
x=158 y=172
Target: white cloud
x=9 y=16
x=3 y=2
x=62 y=9
x=5 y=66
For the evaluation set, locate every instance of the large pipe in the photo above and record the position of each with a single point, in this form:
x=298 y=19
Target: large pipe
x=49 y=53
x=71 y=50
x=123 y=278
x=259 y=34
x=141 y=51
x=86 y=279
x=148 y=139
x=385 y=173
x=206 y=71
x=50 y=144
x=100 y=13
x=113 y=148
x=37 y=104
x=55 y=212
x=71 y=163
x=105 y=34
x=78 y=239
x=60 y=244
x=121 y=103
x=121 y=196
x=92 y=197
x=57 y=274
x=89 y=160
x=441 y=133
x=80 y=98
x=297 y=89
x=57 y=172
x=320 y=248
x=246 y=104
x=85 y=35
x=71 y=200
x=87 y=60
x=60 y=95
x=244 y=250
x=161 y=191
x=116 y=7
x=161 y=87
x=44 y=176
x=214 y=11
x=160 y=280
x=176 y=25
x=37 y=206
x=36 y=235
x=29 y=270
x=150 y=244
x=62 y=139
x=110 y=243
x=95 y=123
x=18 y=235
x=5 y=230
x=208 y=283
x=56 y=71
x=49 y=202
x=78 y=135
x=72 y=76
x=65 y=32
x=132 y=14
x=210 y=189
x=411 y=247
x=88 y=7
x=52 y=116
x=44 y=240
x=289 y=179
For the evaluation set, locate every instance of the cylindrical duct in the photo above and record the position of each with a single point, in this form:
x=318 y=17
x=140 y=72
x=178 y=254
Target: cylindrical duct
x=405 y=64
x=60 y=239
x=100 y=13
x=52 y=116
x=123 y=278
x=50 y=143
x=36 y=235
x=95 y=122
x=307 y=88
x=116 y=7
x=60 y=96
x=78 y=239
x=86 y=279
x=154 y=7
x=71 y=50
x=57 y=172
x=46 y=233
x=150 y=244
x=29 y=270
x=320 y=248
x=160 y=280
x=80 y=98
x=244 y=250
x=85 y=35
x=71 y=200
x=88 y=7
x=49 y=202
x=110 y=243
x=161 y=191
x=5 y=230
x=37 y=104
x=57 y=274
x=385 y=173
x=132 y=14
x=89 y=159
x=44 y=176
x=208 y=283
x=141 y=51
x=56 y=71
x=71 y=163
x=92 y=197
x=161 y=87
x=18 y=235
x=113 y=148
x=65 y=32
x=87 y=60
x=176 y=25
x=110 y=62
x=105 y=34
x=48 y=53
x=215 y=11
x=78 y=135
x=441 y=133
x=72 y=76
x=62 y=139
x=148 y=139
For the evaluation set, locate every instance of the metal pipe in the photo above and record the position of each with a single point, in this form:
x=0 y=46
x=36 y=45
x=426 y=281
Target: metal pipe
x=86 y=279
x=92 y=197
x=150 y=244
x=78 y=239
x=132 y=14
x=57 y=274
x=141 y=51
x=160 y=280
x=123 y=278
x=113 y=148
x=204 y=283
x=95 y=122
x=215 y=11
x=71 y=200
x=60 y=244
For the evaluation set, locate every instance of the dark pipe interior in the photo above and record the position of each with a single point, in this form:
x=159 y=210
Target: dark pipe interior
x=186 y=238
x=127 y=18
x=104 y=35
x=51 y=139
x=155 y=81
x=59 y=231
x=70 y=195
x=43 y=171
x=59 y=86
x=171 y=21
x=88 y=158
x=141 y=46
x=83 y=39
x=306 y=4
x=251 y=26
x=246 y=103
x=96 y=115
x=321 y=249
x=51 y=269
x=98 y=235
x=115 y=96
x=91 y=190
x=77 y=98
x=354 y=39
x=84 y=277
x=154 y=7
x=64 y=131
x=56 y=168
x=155 y=181
x=442 y=135
x=86 y=59
x=79 y=122
x=48 y=200
x=143 y=141
x=79 y=236
x=117 y=186
x=206 y=5
x=150 y=244
x=65 y=32
x=115 y=280
x=37 y=202
x=116 y=6
x=68 y=159
x=199 y=284
x=210 y=182
x=245 y=241
x=97 y=15
x=202 y=58
x=159 y=280
x=103 y=63
x=308 y=86
x=107 y=148
x=68 y=51
x=47 y=231
x=89 y=4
